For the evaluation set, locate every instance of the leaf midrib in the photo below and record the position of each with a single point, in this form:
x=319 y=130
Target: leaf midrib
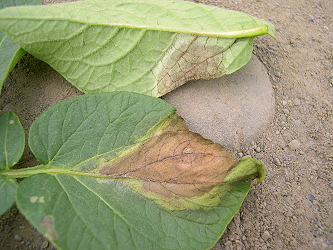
x=256 y=31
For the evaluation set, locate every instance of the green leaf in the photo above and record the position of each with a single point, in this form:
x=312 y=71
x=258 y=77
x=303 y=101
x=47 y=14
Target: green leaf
x=10 y=52
x=145 y=46
x=11 y=150
x=11 y=140
x=91 y=192
x=7 y=193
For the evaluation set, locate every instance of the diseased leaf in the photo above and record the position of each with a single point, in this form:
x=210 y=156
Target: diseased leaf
x=91 y=213
x=176 y=167
x=11 y=140
x=145 y=46
x=7 y=193
x=10 y=52
x=121 y=171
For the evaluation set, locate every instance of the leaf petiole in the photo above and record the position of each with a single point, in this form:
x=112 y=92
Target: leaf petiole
x=26 y=172
x=257 y=31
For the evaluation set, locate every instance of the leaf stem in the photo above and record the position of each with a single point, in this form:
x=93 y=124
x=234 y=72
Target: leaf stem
x=26 y=172
x=257 y=31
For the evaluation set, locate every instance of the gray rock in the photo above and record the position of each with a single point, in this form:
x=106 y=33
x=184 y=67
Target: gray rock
x=231 y=110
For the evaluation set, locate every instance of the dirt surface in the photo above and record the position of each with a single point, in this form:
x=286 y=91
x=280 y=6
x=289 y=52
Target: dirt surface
x=293 y=208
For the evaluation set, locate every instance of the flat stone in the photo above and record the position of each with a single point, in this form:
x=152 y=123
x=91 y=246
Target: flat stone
x=231 y=110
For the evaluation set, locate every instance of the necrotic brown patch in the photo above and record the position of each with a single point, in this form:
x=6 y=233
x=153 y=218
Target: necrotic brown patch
x=175 y=162
x=47 y=225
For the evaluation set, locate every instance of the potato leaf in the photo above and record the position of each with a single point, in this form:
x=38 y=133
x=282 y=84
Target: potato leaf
x=121 y=171
x=11 y=140
x=145 y=46
x=10 y=52
x=8 y=189
x=11 y=150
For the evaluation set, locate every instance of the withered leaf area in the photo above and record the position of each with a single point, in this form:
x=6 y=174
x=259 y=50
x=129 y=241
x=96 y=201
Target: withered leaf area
x=174 y=164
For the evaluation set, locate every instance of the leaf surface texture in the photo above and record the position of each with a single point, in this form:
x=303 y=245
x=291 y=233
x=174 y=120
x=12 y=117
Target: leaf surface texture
x=141 y=46
x=11 y=140
x=11 y=150
x=104 y=182
x=10 y=52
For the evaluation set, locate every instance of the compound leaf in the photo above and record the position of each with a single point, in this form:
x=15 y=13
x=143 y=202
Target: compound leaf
x=145 y=46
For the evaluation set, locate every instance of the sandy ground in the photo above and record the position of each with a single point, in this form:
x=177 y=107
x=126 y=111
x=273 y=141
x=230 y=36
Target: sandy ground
x=293 y=208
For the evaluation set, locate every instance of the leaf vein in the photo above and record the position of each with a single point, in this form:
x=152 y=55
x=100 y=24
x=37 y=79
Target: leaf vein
x=75 y=209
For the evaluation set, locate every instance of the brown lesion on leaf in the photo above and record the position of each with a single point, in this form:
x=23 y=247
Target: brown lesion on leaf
x=175 y=162
x=190 y=58
x=47 y=225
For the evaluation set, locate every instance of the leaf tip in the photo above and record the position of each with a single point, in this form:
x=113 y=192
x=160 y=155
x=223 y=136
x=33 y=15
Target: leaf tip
x=247 y=169
x=47 y=225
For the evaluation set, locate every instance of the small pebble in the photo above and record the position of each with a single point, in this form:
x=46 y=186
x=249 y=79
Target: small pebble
x=277 y=161
x=317 y=233
x=319 y=224
x=18 y=237
x=6 y=229
x=266 y=235
x=45 y=244
x=311 y=18
x=294 y=144
x=286 y=111
x=259 y=156
x=257 y=149
x=240 y=155
x=297 y=102
x=311 y=197
x=28 y=242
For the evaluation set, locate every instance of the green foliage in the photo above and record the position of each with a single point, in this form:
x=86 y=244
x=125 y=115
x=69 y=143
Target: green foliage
x=10 y=52
x=7 y=193
x=72 y=203
x=11 y=150
x=142 y=46
x=114 y=172
x=11 y=140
